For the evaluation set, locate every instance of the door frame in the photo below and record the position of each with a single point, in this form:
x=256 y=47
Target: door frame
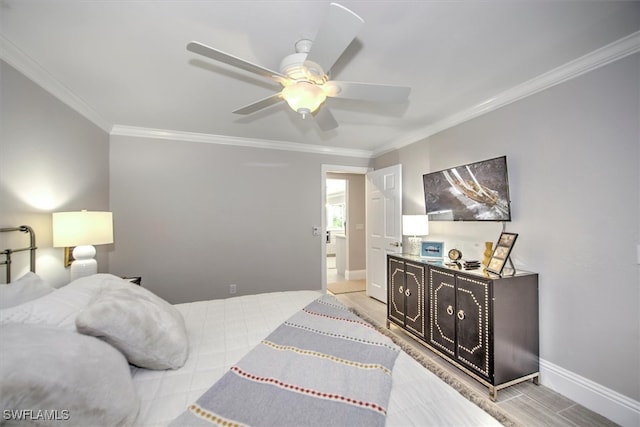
x=324 y=170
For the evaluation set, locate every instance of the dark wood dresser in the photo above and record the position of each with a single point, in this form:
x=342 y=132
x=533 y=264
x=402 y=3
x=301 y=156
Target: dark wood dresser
x=484 y=324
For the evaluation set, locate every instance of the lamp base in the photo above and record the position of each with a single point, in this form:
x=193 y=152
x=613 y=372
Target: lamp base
x=84 y=264
x=415 y=244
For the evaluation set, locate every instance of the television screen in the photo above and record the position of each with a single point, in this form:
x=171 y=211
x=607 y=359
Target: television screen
x=474 y=192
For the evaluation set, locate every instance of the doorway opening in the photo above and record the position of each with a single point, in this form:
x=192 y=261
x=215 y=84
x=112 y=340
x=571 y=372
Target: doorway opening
x=343 y=249
x=336 y=214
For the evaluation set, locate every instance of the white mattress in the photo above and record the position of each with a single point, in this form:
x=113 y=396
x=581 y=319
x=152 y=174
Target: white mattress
x=221 y=332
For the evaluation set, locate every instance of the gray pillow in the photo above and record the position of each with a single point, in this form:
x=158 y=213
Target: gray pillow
x=149 y=331
x=26 y=288
x=77 y=379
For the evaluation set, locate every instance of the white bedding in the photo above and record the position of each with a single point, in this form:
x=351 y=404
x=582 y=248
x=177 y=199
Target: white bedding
x=221 y=332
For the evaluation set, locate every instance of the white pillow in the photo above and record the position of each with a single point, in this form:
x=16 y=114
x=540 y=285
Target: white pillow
x=80 y=380
x=149 y=331
x=60 y=307
x=26 y=288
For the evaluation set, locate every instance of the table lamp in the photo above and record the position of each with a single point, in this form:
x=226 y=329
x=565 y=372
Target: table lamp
x=83 y=230
x=414 y=226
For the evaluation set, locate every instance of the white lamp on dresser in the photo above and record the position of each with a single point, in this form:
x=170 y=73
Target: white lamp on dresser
x=83 y=230
x=415 y=226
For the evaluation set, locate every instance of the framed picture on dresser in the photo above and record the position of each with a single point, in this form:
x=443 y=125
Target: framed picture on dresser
x=432 y=250
x=501 y=252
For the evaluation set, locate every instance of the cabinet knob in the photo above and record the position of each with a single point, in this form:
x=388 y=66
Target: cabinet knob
x=408 y=292
x=401 y=289
x=396 y=244
x=461 y=314
x=450 y=310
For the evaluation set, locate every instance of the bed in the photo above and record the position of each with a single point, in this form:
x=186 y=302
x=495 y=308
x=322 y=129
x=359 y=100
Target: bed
x=74 y=355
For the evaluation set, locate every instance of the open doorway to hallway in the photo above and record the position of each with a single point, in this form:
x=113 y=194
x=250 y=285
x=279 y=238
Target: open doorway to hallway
x=345 y=234
x=336 y=216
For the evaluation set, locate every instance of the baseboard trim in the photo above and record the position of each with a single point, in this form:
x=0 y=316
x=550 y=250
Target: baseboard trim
x=606 y=402
x=355 y=274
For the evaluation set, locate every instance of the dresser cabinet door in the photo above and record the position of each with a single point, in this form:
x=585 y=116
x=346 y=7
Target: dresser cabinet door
x=472 y=331
x=414 y=294
x=396 y=289
x=442 y=302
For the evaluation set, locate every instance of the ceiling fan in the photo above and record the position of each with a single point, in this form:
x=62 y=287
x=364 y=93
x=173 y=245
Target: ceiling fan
x=304 y=75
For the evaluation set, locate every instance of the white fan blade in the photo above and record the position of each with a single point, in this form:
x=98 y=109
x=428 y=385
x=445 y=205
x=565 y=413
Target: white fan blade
x=339 y=28
x=366 y=91
x=221 y=56
x=325 y=119
x=259 y=105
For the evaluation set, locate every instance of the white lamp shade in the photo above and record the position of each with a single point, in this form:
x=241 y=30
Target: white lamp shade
x=415 y=225
x=82 y=228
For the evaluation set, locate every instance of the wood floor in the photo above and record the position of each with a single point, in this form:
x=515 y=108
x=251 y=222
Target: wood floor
x=531 y=405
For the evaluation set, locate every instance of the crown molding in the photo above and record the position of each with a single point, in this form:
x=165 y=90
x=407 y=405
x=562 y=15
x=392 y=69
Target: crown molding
x=15 y=57
x=619 y=49
x=598 y=58
x=236 y=141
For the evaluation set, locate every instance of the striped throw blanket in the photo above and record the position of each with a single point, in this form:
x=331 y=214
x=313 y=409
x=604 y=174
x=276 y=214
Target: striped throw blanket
x=323 y=367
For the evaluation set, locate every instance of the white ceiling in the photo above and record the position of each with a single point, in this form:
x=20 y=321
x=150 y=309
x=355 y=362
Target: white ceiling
x=125 y=66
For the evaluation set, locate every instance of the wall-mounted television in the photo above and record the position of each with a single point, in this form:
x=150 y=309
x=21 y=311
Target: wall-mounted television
x=474 y=192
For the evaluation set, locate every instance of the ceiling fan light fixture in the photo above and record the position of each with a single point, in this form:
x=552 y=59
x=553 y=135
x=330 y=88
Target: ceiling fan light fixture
x=305 y=84
x=303 y=97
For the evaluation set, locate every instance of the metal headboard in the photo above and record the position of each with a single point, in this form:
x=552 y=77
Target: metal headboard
x=31 y=248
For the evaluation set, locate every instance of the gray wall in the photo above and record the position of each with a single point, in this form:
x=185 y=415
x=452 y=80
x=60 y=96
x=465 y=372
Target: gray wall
x=356 y=219
x=51 y=159
x=574 y=160
x=193 y=218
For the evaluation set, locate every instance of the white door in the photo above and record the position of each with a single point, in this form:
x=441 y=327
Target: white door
x=384 y=226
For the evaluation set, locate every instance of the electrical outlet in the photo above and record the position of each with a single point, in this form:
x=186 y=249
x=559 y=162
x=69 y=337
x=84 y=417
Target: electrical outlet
x=232 y=288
